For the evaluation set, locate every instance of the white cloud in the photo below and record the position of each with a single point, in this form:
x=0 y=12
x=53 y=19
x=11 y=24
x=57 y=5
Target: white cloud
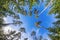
x=25 y=35
x=7 y=29
x=5 y=19
x=45 y=36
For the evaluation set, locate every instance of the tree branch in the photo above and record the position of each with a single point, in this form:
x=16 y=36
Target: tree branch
x=10 y=23
x=50 y=3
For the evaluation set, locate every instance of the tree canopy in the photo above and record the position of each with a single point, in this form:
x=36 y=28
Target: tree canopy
x=13 y=8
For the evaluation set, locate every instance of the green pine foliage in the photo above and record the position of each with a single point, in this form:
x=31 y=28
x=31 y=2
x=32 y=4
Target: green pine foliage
x=55 y=30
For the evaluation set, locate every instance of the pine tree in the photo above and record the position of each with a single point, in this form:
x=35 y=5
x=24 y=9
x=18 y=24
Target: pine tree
x=55 y=33
x=8 y=8
x=55 y=30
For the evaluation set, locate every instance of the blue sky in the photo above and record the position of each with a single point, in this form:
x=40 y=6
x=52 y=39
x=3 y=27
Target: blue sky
x=29 y=21
x=46 y=18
